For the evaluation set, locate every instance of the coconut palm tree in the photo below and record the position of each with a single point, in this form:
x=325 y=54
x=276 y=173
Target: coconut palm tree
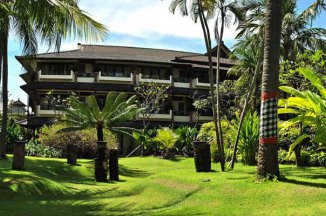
x=204 y=10
x=117 y=110
x=47 y=21
x=267 y=153
x=297 y=32
x=225 y=9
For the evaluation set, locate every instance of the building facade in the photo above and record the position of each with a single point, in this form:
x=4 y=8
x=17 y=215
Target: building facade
x=96 y=69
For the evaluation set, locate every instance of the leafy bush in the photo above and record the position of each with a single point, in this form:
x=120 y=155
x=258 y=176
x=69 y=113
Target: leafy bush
x=207 y=134
x=85 y=140
x=287 y=136
x=33 y=148
x=318 y=159
x=13 y=133
x=184 y=144
x=308 y=158
x=168 y=138
x=249 y=138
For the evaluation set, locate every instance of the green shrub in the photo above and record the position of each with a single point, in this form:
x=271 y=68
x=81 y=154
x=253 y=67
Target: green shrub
x=186 y=137
x=308 y=158
x=13 y=133
x=249 y=138
x=85 y=140
x=287 y=136
x=318 y=159
x=283 y=157
x=168 y=138
x=33 y=148
x=207 y=134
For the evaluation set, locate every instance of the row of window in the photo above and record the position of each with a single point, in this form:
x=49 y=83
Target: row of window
x=117 y=71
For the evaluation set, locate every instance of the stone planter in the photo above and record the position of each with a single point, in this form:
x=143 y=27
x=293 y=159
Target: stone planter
x=18 y=162
x=101 y=163
x=114 y=164
x=202 y=156
x=72 y=154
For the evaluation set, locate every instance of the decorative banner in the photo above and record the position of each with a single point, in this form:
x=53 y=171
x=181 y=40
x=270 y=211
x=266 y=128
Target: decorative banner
x=268 y=118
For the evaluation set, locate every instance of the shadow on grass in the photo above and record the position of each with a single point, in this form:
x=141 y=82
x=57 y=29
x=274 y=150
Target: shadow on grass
x=133 y=173
x=304 y=183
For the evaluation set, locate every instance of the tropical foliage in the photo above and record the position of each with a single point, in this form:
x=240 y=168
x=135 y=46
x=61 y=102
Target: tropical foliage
x=309 y=107
x=117 y=110
x=83 y=115
x=249 y=137
x=45 y=21
x=168 y=138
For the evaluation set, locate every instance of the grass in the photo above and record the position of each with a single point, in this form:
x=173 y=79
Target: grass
x=151 y=186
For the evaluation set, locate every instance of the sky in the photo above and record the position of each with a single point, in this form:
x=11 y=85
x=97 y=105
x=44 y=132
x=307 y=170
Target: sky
x=139 y=23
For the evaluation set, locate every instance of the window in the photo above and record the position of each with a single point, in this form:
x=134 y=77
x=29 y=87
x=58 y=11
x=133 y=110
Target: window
x=156 y=73
x=113 y=70
x=56 y=68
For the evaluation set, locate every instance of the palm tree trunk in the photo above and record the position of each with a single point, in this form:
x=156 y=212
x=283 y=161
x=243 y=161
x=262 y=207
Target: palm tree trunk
x=99 y=130
x=4 y=51
x=206 y=33
x=249 y=94
x=218 y=83
x=267 y=153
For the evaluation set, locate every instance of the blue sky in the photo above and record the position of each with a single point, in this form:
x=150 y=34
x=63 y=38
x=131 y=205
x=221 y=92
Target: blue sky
x=142 y=23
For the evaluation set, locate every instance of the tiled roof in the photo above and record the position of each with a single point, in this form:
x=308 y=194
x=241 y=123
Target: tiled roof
x=101 y=52
x=116 y=53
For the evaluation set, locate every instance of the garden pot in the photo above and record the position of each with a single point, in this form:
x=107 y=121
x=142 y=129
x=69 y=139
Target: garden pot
x=18 y=162
x=202 y=156
x=72 y=154
x=114 y=164
x=101 y=163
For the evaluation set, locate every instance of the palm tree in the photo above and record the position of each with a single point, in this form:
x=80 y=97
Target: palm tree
x=117 y=110
x=204 y=10
x=267 y=153
x=224 y=10
x=297 y=32
x=50 y=21
x=251 y=62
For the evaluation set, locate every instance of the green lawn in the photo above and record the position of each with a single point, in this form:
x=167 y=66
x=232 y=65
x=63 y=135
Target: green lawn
x=151 y=186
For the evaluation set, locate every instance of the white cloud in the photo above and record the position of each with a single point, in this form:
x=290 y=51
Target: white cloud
x=145 y=18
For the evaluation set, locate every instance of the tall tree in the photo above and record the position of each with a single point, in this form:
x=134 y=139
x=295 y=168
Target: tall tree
x=51 y=21
x=204 y=10
x=225 y=9
x=267 y=153
x=297 y=31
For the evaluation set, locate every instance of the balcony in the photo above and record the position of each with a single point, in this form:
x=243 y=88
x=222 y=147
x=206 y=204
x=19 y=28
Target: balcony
x=86 y=77
x=154 y=80
x=43 y=77
x=160 y=116
x=115 y=79
x=197 y=84
x=181 y=116
x=181 y=82
x=46 y=111
x=201 y=117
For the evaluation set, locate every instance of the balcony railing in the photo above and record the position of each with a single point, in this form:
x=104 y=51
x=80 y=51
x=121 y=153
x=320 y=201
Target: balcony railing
x=201 y=117
x=180 y=116
x=55 y=77
x=198 y=84
x=149 y=80
x=46 y=111
x=181 y=82
x=159 y=116
x=115 y=79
